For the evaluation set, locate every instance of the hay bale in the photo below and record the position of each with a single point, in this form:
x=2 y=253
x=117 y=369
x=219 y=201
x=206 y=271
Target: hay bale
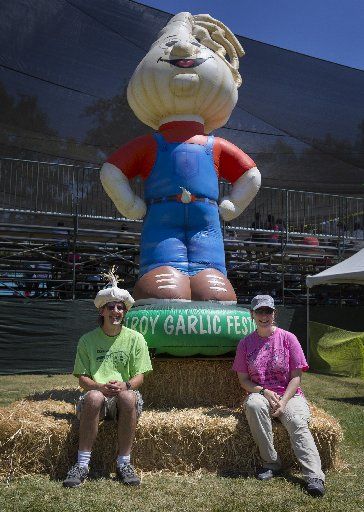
x=191 y=383
x=42 y=436
x=215 y=439
x=33 y=437
x=219 y=439
x=180 y=383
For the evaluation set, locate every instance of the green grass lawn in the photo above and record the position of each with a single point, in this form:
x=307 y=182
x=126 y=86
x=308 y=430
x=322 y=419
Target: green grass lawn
x=201 y=491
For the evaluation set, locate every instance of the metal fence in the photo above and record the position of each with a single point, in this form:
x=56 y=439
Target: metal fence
x=75 y=190
x=312 y=213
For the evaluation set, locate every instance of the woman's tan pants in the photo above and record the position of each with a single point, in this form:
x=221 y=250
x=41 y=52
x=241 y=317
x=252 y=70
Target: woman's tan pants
x=295 y=419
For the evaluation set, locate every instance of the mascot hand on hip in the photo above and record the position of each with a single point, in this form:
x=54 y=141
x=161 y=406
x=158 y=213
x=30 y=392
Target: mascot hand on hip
x=184 y=88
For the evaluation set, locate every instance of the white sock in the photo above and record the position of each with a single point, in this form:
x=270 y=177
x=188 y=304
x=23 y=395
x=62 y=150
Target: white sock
x=122 y=459
x=83 y=458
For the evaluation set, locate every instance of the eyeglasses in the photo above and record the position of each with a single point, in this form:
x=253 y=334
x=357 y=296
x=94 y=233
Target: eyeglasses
x=119 y=307
x=264 y=311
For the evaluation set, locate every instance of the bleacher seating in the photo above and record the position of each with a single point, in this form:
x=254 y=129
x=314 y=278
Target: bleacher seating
x=59 y=249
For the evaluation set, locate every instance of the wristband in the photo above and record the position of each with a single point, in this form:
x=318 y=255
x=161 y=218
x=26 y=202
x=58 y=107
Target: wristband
x=128 y=385
x=261 y=392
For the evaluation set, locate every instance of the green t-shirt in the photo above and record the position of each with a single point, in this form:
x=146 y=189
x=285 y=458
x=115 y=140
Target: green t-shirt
x=106 y=358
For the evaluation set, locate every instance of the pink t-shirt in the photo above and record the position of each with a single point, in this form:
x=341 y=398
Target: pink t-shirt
x=269 y=361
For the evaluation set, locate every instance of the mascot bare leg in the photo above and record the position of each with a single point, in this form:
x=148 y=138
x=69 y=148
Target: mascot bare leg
x=212 y=285
x=163 y=283
x=168 y=283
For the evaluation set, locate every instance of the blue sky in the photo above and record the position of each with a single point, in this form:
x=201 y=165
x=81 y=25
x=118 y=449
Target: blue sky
x=327 y=29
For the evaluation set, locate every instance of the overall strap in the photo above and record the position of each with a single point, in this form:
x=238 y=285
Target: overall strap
x=161 y=142
x=209 y=145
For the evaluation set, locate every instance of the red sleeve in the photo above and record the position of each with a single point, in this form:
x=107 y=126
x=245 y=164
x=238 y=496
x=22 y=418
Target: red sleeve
x=230 y=161
x=136 y=158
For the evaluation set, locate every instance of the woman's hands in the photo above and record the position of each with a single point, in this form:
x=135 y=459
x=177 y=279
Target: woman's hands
x=279 y=408
x=276 y=402
x=277 y=405
x=290 y=391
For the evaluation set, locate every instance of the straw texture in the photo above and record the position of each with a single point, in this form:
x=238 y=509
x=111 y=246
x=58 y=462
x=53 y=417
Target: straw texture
x=40 y=436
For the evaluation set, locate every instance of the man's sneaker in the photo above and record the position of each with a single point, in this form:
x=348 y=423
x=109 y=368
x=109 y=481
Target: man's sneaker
x=76 y=476
x=266 y=474
x=315 y=487
x=126 y=474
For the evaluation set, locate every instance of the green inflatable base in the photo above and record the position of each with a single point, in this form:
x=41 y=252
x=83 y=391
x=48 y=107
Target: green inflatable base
x=191 y=328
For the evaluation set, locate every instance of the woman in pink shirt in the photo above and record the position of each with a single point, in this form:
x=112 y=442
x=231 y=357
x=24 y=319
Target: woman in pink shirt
x=269 y=363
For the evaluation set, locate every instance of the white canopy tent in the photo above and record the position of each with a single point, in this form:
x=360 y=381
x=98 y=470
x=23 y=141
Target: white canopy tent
x=350 y=270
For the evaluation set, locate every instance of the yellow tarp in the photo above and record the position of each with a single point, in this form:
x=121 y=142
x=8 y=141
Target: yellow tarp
x=336 y=351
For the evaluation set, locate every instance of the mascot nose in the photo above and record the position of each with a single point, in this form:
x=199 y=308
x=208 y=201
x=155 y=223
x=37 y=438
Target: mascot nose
x=183 y=49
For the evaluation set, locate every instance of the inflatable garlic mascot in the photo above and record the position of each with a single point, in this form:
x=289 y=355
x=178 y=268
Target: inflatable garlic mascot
x=184 y=88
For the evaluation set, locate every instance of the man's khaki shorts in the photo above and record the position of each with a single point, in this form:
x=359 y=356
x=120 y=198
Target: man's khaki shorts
x=109 y=410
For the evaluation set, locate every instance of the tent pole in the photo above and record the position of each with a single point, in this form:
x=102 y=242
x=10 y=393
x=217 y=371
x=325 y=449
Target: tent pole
x=308 y=324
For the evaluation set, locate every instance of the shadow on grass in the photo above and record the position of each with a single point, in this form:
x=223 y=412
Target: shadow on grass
x=233 y=473
x=69 y=396
x=284 y=475
x=352 y=400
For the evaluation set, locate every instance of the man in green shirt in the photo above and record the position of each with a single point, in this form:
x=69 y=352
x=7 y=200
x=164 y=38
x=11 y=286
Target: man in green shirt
x=110 y=363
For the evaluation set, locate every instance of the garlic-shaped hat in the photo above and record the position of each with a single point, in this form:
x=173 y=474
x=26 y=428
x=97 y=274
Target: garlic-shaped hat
x=113 y=293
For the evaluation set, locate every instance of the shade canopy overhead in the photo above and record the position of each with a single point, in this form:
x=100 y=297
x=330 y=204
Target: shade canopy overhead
x=350 y=270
